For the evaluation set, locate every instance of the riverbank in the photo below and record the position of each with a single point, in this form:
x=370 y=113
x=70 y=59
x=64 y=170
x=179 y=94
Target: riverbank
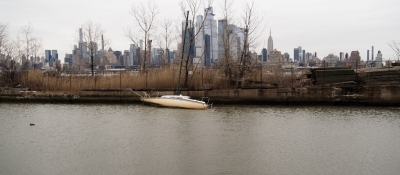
x=350 y=95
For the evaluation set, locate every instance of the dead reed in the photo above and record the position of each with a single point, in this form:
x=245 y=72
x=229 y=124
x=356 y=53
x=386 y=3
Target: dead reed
x=151 y=79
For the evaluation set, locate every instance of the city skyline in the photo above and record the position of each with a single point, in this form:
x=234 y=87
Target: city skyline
x=324 y=27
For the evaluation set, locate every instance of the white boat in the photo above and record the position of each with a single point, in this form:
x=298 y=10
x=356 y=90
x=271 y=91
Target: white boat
x=175 y=101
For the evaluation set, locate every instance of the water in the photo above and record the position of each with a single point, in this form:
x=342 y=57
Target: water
x=136 y=139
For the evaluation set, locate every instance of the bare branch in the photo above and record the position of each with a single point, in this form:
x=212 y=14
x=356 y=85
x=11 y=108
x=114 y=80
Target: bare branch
x=3 y=36
x=193 y=6
x=91 y=36
x=144 y=15
x=395 y=45
x=28 y=39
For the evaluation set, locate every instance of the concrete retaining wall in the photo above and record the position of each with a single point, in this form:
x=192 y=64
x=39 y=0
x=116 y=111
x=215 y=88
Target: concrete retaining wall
x=374 y=96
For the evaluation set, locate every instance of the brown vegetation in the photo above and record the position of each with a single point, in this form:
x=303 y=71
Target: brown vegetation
x=150 y=79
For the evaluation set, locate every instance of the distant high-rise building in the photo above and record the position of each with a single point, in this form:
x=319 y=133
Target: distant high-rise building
x=286 y=56
x=102 y=43
x=331 y=60
x=315 y=54
x=172 y=55
x=372 y=53
x=141 y=45
x=200 y=40
x=236 y=40
x=378 y=60
x=125 y=58
x=189 y=40
x=341 y=56
x=354 y=60
x=68 y=59
x=231 y=36
x=264 y=55
x=148 y=52
x=82 y=46
x=222 y=36
x=53 y=58
x=80 y=35
x=210 y=28
x=132 y=59
x=47 y=55
x=308 y=56
x=270 y=42
x=347 y=56
x=304 y=56
x=300 y=54
x=117 y=55
x=54 y=54
x=368 y=55
x=296 y=54
x=207 y=50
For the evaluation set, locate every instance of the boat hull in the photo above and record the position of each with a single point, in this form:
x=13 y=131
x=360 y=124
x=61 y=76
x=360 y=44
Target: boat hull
x=174 y=103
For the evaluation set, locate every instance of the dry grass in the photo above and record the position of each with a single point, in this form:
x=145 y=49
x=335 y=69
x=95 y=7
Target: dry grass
x=152 y=79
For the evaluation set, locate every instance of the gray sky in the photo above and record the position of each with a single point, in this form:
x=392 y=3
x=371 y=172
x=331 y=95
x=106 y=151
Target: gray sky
x=322 y=26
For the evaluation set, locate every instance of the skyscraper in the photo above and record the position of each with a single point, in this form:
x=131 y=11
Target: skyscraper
x=264 y=55
x=270 y=43
x=117 y=55
x=189 y=40
x=54 y=54
x=341 y=56
x=207 y=50
x=287 y=56
x=200 y=43
x=54 y=58
x=222 y=36
x=68 y=59
x=47 y=56
x=131 y=61
x=354 y=60
x=372 y=53
x=210 y=28
x=368 y=55
x=230 y=36
x=378 y=59
x=300 y=59
x=296 y=54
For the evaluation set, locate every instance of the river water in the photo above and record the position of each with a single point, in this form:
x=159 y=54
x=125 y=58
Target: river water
x=136 y=139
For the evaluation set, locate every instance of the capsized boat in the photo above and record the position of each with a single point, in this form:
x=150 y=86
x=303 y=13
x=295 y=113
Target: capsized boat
x=175 y=101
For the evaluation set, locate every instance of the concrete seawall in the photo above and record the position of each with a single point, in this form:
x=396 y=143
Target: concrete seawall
x=362 y=96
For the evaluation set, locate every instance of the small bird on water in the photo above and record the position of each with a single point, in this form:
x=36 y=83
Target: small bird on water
x=31 y=124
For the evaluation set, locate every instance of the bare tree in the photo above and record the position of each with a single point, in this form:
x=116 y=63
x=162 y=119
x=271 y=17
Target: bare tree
x=91 y=35
x=251 y=22
x=144 y=15
x=28 y=41
x=225 y=39
x=166 y=38
x=36 y=50
x=11 y=62
x=193 y=6
x=3 y=37
x=395 y=45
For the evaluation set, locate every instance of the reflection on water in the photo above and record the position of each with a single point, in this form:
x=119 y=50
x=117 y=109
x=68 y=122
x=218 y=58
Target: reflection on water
x=136 y=139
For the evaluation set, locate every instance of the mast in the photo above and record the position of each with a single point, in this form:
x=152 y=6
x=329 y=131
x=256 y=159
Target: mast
x=183 y=51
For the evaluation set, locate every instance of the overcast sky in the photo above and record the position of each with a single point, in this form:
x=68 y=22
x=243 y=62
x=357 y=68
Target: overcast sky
x=322 y=26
